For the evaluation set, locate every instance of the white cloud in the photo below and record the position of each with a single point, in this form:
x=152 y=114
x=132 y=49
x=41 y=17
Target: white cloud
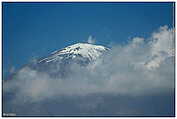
x=162 y=46
x=91 y=40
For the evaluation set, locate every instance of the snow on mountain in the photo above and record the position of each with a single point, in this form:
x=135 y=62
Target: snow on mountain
x=59 y=63
x=79 y=50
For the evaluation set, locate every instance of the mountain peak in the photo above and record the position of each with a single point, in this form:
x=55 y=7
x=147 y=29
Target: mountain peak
x=84 y=50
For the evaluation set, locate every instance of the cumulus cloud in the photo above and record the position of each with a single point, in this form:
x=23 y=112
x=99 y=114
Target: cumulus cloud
x=162 y=46
x=91 y=40
x=142 y=67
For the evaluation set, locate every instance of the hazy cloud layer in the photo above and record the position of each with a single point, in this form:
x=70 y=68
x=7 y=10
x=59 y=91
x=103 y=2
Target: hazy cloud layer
x=143 y=67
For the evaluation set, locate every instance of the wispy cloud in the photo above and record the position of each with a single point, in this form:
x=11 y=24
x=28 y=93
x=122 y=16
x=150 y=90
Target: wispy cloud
x=91 y=40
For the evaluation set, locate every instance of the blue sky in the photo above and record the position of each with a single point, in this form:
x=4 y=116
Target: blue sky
x=33 y=30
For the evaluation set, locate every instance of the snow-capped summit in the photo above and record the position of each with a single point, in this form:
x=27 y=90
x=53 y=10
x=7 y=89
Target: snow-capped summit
x=59 y=62
x=77 y=51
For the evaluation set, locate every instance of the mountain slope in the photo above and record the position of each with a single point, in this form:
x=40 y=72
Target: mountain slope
x=58 y=63
x=76 y=51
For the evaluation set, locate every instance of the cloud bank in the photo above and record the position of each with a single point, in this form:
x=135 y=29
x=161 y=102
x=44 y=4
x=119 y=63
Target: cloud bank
x=137 y=71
